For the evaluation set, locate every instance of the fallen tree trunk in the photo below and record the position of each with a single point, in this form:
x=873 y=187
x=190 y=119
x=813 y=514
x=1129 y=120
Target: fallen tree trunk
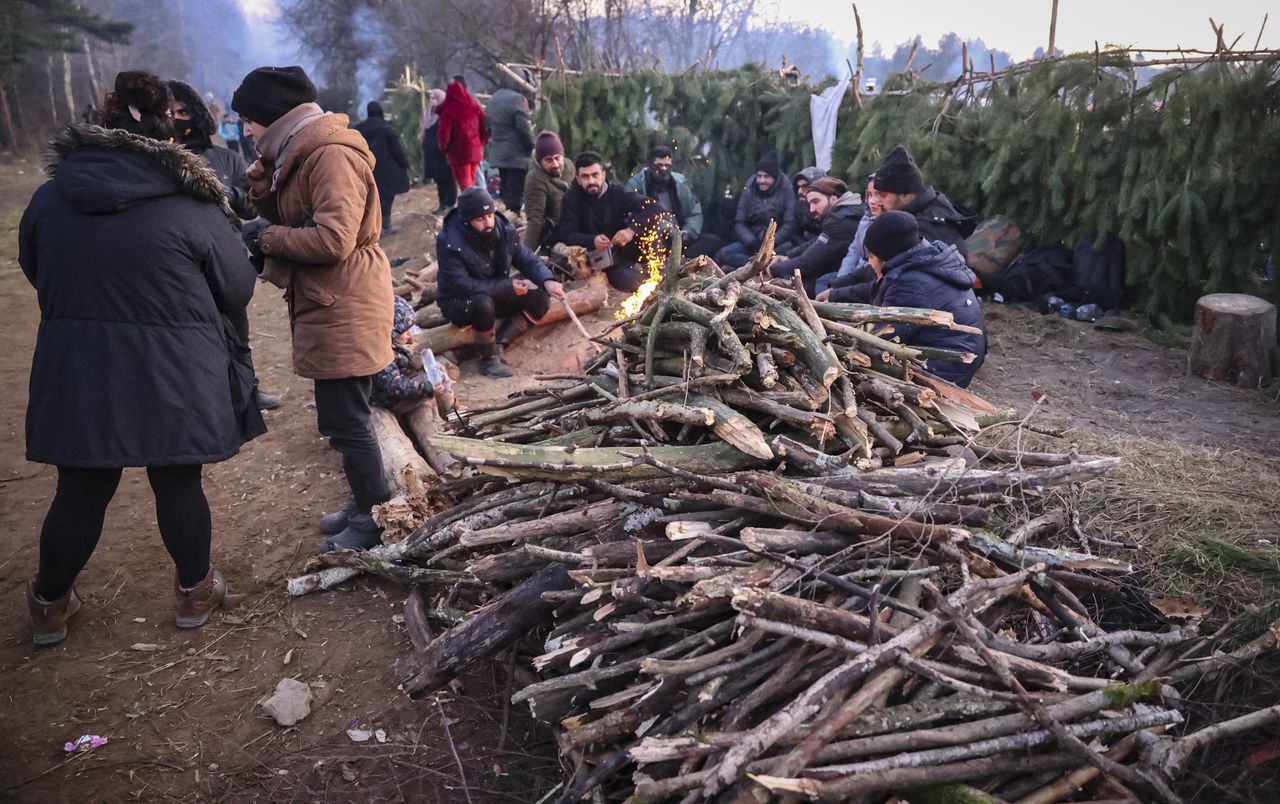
x=398 y=452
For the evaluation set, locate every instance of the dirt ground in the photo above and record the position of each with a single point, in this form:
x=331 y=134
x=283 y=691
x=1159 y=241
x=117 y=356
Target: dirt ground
x=180 y=708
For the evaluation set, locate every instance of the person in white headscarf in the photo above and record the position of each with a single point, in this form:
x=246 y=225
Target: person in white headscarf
x=434 y=165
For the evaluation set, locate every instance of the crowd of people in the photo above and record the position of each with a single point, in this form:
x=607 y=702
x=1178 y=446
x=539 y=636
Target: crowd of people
x=143 y=356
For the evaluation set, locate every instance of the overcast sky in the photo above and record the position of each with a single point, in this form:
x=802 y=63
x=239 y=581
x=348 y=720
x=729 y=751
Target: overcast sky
x=1020 y=26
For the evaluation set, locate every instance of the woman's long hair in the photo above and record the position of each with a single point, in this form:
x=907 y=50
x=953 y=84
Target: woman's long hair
x=140 y=105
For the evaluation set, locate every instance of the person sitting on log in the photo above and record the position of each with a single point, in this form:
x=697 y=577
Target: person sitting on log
x=838 y=210
x=477 y=251
x=900 y=186
x=601 y=215
x=402 y=385
x=852 y=281
x=672 y=193
x=763 y=199
x=808 y=225
x=915 y=272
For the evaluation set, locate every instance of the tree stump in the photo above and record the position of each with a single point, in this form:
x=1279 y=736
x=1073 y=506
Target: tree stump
x=1234 y=339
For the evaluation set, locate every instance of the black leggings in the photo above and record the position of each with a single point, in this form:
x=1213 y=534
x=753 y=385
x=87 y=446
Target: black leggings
x=74 y=523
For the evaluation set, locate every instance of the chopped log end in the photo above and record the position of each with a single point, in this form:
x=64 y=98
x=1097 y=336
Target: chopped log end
x=1234 y=339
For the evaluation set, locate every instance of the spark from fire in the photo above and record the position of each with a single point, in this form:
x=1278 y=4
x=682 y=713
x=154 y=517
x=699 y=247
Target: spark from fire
x=654 y=249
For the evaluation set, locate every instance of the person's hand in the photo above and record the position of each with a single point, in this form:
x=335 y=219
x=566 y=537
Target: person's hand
x=251 y=234
x=554 y=289
x=522 y=286
x=259 y=177
x=602 y=242
x=824 y=295
x=624 y=236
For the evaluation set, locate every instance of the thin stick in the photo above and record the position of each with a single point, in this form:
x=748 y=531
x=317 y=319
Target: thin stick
x=462 y=774
x=568 y=308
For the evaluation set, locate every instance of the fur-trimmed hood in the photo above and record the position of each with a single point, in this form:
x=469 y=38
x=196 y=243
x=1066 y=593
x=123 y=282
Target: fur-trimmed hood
x=186 y=94
x=101 y=170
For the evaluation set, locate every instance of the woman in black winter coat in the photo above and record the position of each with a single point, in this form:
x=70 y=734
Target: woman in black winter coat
x=142 y=355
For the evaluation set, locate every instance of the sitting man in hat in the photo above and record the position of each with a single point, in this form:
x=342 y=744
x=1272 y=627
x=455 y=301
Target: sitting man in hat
x=477 y=250
x=911 y=272
x=764 y=199
x=838 y=211
x=900 y=186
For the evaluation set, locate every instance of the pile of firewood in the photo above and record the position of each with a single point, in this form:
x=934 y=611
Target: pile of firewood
x=763 y=557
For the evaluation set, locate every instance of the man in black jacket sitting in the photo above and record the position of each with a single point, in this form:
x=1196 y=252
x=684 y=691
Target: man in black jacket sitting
x=838 y=211
x=598 y=214
x=477 y=250
x=900 y=186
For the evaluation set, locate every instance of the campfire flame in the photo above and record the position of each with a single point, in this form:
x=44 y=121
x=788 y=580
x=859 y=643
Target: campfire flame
x=653 y=256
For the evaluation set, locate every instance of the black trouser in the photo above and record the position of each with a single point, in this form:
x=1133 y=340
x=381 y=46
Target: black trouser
x=481 y=312
x=342 y=413
x=74 y=523
x=434 y=165
x=513 y=187
x=386 y=201
x=706 y=244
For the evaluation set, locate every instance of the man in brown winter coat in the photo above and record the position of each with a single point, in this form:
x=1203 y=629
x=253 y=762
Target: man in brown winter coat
x=314 y=187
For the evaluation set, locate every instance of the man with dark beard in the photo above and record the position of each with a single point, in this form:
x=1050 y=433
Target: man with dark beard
x=672 y=193
x=601 y=215
x=477 y=250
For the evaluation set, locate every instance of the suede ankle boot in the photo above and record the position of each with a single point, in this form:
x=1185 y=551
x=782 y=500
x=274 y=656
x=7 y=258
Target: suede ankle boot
x=331 y=524
x=361 y=533
x=49 y=617
x=194 y=605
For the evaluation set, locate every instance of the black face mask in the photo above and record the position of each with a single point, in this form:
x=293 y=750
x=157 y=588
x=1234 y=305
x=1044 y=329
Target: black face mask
x=186 y=132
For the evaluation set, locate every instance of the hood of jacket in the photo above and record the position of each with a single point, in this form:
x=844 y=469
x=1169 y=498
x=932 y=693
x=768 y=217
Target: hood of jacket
x=186 y=94
x=331 y=129
x=930 y=204
x=99 y=170
x=937 y=260
x=848 y=205
x=809 y=174
x=457 y=94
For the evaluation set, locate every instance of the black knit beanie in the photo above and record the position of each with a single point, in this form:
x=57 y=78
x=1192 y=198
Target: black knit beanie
x=892 y=233
x=770 y=164
x=268 y=93
x=474 y=202
x=899 y=174
x=373 y=109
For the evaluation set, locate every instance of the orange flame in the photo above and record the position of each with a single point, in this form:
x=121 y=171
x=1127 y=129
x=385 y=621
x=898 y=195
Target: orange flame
x=653 y=256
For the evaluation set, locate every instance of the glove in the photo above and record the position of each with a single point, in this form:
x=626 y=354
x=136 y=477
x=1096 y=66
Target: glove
x=251 y=234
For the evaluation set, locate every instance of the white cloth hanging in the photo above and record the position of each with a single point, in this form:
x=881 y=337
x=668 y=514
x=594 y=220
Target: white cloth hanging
x=824 y=109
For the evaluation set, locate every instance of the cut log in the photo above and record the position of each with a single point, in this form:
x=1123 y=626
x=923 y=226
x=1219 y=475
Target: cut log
x=484 y=633
x=397 y=450
x=430 y=316
x=423 y=421
x=587 y=298
x=1234 y=339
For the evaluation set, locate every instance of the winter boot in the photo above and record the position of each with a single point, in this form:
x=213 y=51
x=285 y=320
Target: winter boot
x=265 y=400
x=387 y=228
x=49 y=617
x=513 y=328
x=194 y=605
x=333 y=524
x=492 y=362
x=361 y=533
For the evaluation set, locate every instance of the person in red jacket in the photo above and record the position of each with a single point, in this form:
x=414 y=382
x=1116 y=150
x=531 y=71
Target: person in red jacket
x=463 y=132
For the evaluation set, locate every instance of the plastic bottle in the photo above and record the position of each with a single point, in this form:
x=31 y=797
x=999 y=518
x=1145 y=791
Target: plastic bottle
x=441 y=385
x=1052 y=304
x=1088 y=312
x=1067 y=310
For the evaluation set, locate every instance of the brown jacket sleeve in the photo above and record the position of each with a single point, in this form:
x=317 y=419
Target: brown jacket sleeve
x=338 y=187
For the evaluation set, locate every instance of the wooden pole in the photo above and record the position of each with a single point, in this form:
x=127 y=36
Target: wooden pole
x=1053 y=29
x=857 y=74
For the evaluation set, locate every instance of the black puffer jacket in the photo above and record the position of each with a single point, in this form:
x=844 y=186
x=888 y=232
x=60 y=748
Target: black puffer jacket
x=756 y=209
x=933 y=275
x=466 y=272
x=939 y=219
x=142 y=356
x=824 y=254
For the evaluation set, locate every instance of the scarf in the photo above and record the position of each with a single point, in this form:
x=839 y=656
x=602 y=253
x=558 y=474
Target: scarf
x=275 y=141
